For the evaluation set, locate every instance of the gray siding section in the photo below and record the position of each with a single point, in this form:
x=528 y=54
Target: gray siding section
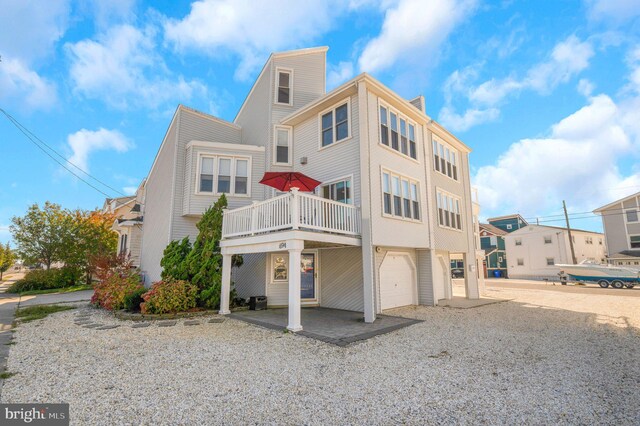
x=341 y=279
x=157 y=217
x=614 y=227
x=425 y=278
x=135 y=244
x=250 y=278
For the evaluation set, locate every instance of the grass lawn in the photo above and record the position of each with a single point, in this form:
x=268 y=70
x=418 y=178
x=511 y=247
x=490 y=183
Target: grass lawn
x=57 y=290
x=33 y=313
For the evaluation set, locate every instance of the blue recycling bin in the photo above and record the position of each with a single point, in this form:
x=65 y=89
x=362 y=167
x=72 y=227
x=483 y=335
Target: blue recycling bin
x=497 y=273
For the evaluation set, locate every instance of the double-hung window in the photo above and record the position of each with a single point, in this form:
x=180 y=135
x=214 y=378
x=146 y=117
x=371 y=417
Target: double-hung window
x=632 y=215
x=400 y=196
x=449 y=211
x=283 y=82
x=224 y=175
x=547 y=239
x=338 y=191
x=445 y=159
x=283 y=146
x=335 y=125
x=634 y=241
x=397 y=132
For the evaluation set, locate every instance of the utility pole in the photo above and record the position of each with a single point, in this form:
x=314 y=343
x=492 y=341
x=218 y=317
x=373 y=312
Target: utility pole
x=566 y=216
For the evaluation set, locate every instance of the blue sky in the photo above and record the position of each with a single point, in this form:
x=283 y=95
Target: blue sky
x=546 y=93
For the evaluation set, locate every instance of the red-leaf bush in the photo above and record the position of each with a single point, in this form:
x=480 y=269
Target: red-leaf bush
x=115 y=287
x=169 y=296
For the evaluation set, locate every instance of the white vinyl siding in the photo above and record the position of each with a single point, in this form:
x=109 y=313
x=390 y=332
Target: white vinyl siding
x=397 y=132
x=445 y=159
x=449 y=211
x=400 y=196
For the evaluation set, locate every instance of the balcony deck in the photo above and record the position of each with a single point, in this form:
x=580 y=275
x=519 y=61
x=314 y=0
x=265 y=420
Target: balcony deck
x=319 y=219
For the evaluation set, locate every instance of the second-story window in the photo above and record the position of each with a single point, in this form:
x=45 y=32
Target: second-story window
x=400 y=196
x=242 y=174
x=397 y=132
x=206 y=174
x=335 y=125
x=632 y=215
x=547 y=239
x=338 y=191
x=384 y=126
x=394 y=131
x=445 y=159
x=231 y=176
x=412 y=142
x=449 y=214
x=283 y=95
x=224 y=175
x=283 y=146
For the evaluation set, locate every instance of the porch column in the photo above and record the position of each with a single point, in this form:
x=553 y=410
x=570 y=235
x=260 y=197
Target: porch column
x=471 y=276
x=226 y=284
x=294 y=289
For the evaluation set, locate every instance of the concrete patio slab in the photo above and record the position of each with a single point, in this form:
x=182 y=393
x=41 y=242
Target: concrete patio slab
x=333 y=326
x=464 y=303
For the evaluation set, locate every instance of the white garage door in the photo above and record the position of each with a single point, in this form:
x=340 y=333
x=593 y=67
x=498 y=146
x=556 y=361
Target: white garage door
x=397 y=281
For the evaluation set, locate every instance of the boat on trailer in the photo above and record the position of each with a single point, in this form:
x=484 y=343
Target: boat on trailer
x=604 y=275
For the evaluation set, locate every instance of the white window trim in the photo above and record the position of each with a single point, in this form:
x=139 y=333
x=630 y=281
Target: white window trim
x=411 y=180
x=289 y=130
x=277 y=82
x=455 y=197
x=335 y=135
x=441 y=141
x=272 y=267
x=216 y=157
x=340 y=179
x=398 y=114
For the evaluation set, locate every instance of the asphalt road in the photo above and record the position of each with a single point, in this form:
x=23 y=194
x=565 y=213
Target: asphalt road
x=557 y=287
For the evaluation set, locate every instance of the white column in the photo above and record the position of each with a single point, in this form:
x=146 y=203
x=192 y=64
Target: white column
x=226 y=284
x=294 y=289
x=470 y=276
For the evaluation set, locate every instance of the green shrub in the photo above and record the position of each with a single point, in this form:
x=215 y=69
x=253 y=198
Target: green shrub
x=173 y=260
x=169 y=296
x=42 y=279
x=133 y=300
x=115 y=287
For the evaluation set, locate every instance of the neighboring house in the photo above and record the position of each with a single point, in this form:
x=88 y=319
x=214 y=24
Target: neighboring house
x=128 y=212
x=534 y=250
x=394 y=204
x=621 y=224
x=508 y=223
x=493 y=246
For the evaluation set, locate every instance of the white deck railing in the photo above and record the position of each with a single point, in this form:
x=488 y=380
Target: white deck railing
x=294 y=210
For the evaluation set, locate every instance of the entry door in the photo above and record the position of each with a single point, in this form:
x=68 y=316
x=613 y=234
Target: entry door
x=308 y=276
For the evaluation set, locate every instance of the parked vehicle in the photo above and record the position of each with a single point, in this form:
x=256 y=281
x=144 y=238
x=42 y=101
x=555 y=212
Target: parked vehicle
x=604 y=275
x=457 y=273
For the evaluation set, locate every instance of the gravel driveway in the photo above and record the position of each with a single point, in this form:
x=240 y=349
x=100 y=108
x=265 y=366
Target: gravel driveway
x=534 y=360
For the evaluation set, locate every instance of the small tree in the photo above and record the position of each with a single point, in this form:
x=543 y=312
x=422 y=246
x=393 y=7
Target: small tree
x=174 y=265
x=7 y=257
x=42 y=235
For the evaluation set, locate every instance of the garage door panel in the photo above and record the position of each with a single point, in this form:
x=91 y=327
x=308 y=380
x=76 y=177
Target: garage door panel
x=397 y=281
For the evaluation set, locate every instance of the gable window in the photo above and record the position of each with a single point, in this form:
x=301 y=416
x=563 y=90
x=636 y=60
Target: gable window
x=400 y=196
x=632 y=215
x=335 y=125
x=231 y=175
x=634 y=241
x=397 y=132
x=449 y=214
x=547 y=239
x=551 y=261
x=206 y=174
x=283 y=145
x=518 y=241
x=445 y=159
x=509 y=226
x=338 y=191
x=520 y=262
x=284 y=87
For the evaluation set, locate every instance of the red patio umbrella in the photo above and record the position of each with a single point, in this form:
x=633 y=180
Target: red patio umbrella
x=284 y=181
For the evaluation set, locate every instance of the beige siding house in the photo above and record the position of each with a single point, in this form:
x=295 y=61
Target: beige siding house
x=394 y=204
x=621 y=223
x=128 y=212
x=534 y=250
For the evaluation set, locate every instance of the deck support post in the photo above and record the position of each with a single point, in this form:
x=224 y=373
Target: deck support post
x=295 y=256
x=225 y=292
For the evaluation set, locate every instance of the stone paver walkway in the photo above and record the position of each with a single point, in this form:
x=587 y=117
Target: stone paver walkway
x=333 y=326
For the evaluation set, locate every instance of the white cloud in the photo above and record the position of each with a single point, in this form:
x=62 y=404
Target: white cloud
x=568 y=58
x=585 y=87
x=122 y=68
x=129 y=190
x=431 y=22
x=573 y=163
x=84 y=142
x=338 y=74
x=18 y=82
x=251 y=30
x=107 y=12
x=613 y=10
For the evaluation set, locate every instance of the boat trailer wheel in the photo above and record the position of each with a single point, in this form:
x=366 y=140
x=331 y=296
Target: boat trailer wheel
x=617 y=284
x=603 y=283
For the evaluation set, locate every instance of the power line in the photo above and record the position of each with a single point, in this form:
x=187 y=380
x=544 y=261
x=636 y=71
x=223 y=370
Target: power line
x=39 y=143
